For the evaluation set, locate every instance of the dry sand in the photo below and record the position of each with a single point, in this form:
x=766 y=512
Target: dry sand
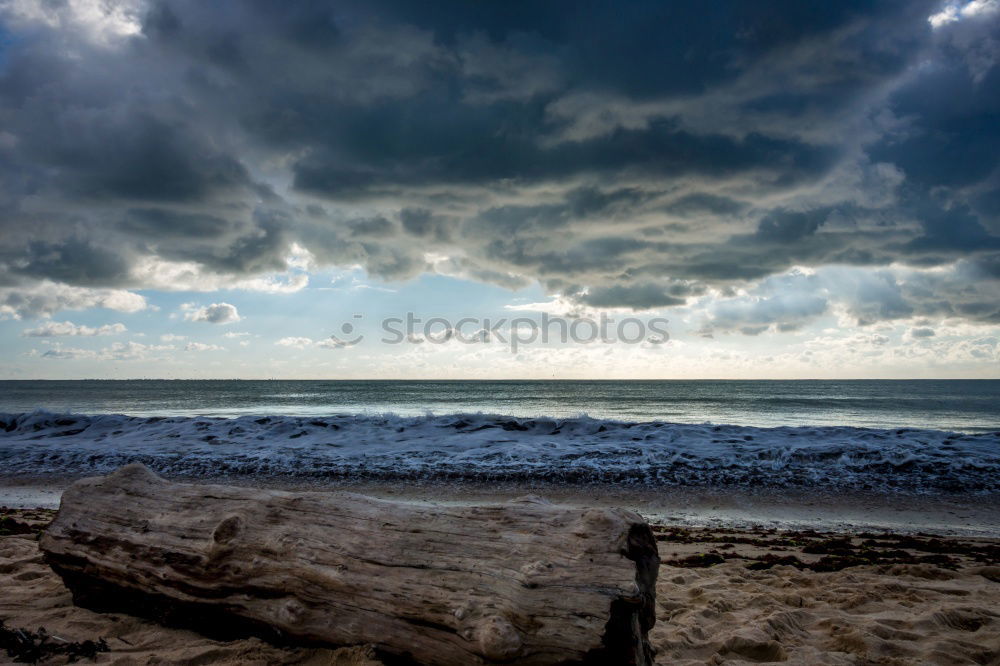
x=32 y=596
x=897 y=600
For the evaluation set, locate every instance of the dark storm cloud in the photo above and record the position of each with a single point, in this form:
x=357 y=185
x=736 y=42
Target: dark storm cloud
x=73 y=260
x=953 y=114
x=630 y=155
x=374 y=227
x=637 y=297
x=88 y=136
x=782 y=226
x=163 y=223
x=702 y=203
x=950 y=227
x=444 y=156
x=422 y=222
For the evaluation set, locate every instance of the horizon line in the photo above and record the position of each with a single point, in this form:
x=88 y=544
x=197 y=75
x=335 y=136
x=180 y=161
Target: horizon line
x=504 y=379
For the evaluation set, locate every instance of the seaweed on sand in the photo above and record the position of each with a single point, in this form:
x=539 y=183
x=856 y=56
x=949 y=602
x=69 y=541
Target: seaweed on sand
x=31 y=647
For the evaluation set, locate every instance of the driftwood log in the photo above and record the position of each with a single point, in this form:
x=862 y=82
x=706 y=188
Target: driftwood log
x=524 y=582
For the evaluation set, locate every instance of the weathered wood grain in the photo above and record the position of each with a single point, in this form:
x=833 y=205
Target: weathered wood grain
x=524 y=582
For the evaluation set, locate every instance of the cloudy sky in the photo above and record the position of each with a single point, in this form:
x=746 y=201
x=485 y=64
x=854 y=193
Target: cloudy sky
x=213 y=189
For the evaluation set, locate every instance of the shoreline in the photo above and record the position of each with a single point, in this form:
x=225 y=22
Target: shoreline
x=957 y=514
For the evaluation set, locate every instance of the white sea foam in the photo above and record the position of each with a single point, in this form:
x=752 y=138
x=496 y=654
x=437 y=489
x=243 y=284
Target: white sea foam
x=488 y=447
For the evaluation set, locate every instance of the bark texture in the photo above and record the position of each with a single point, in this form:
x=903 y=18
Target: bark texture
x=524 y=582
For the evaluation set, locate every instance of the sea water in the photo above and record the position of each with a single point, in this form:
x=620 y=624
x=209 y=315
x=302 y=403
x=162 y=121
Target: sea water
x=879 y=435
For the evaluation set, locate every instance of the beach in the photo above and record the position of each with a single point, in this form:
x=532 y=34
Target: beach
x=724 y=596
x=499 y=333
x=826 y=523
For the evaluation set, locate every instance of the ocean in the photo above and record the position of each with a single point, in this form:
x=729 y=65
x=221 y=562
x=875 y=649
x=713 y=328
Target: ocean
x=922 y=435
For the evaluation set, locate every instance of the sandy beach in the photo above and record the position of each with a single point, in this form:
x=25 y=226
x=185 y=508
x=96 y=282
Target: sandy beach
x=380 y=333
x=725 y=595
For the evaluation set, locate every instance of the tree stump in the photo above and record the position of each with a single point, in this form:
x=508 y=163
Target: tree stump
x=525 y=582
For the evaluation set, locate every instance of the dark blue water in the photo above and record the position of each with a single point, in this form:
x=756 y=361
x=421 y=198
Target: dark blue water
x=957 y=405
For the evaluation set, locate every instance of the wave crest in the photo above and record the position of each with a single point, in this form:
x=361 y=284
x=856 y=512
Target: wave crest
x=483 y=447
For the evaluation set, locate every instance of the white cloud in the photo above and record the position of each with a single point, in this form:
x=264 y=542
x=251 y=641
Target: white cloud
x=558 y=306
x=156 y=273
x=128 y=351
x=274 y=284
x=947 y=15
x=300 y=258
x=952 y=12
x=69 y=353
x=100 y=21
x=350 y=281
x=46 y=298
x=235 y=334
x=216 y=313
x=980 y=8
x=119 y=351
x=172 y=337
x=326 y=343
x=788 y=302
x=53 y=329
x=298 y=343
x=200 y=347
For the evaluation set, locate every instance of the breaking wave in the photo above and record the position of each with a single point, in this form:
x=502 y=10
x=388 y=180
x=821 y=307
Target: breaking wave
x=481 y=447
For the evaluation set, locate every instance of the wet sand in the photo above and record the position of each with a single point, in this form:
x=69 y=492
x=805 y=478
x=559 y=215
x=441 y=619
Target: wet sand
x=946 y=514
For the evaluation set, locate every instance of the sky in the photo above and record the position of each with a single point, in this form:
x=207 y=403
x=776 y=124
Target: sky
x=259 y=189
